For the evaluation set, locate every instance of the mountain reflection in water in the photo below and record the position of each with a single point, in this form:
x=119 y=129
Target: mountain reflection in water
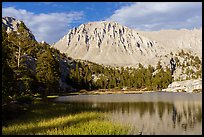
x=176 y=115
x=159 y=117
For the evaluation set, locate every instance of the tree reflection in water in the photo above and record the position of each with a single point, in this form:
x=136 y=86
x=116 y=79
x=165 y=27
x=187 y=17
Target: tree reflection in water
x=166 y=115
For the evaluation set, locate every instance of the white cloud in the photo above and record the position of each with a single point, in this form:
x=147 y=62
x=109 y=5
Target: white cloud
x=159 y=15
x=46 y=27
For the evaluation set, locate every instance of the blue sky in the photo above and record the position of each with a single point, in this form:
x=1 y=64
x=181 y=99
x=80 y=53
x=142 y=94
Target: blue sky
x=50 y=21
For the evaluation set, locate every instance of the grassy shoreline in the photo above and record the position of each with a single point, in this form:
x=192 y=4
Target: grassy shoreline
x=100 y=92
x=59 y=119
x=94 y=92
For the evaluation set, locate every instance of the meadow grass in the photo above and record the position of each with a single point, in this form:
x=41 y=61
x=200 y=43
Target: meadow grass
x=61 y=119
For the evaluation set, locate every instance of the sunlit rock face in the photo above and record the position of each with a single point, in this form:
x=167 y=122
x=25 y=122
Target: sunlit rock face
x=107 y=43
x=110 y=43
x=12 y=24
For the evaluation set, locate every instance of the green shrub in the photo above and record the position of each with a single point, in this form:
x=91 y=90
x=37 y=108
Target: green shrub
x=83 y=91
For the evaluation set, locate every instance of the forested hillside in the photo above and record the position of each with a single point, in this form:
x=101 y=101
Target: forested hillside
x=27 y=65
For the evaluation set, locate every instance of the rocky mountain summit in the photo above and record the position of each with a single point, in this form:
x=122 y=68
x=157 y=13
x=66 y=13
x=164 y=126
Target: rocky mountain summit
x=11 y=24
x=110 y=43
x=107 y=43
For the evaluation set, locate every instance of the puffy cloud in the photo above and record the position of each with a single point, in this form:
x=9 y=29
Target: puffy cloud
x=159 y=15
x=49 y=27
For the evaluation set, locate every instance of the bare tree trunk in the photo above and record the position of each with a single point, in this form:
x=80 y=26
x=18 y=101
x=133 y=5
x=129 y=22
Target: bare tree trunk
x=19 y=55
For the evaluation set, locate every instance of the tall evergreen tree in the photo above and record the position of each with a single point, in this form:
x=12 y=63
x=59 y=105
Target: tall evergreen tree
x=47 y=73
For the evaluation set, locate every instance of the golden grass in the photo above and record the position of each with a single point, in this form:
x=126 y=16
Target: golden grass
x=40 y=121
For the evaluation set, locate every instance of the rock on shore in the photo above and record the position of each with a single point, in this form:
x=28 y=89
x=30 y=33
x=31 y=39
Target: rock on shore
x=193 y=85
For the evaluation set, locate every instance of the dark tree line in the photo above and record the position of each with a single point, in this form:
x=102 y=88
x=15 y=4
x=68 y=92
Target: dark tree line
x=93 y=76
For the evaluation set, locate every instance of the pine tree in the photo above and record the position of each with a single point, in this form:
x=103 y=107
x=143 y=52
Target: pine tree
x=47 y=73
x=8 y=77
x=159 y=66
x=148 y=79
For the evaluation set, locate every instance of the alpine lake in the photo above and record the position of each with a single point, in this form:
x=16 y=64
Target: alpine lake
x=156 y=113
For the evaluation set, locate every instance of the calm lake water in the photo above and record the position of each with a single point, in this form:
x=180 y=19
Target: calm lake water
x=150 y=113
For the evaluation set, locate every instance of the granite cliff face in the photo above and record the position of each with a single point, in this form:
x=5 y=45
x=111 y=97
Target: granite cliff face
x=110 y=43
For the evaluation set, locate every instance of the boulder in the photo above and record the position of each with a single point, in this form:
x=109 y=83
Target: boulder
x=194 y=85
